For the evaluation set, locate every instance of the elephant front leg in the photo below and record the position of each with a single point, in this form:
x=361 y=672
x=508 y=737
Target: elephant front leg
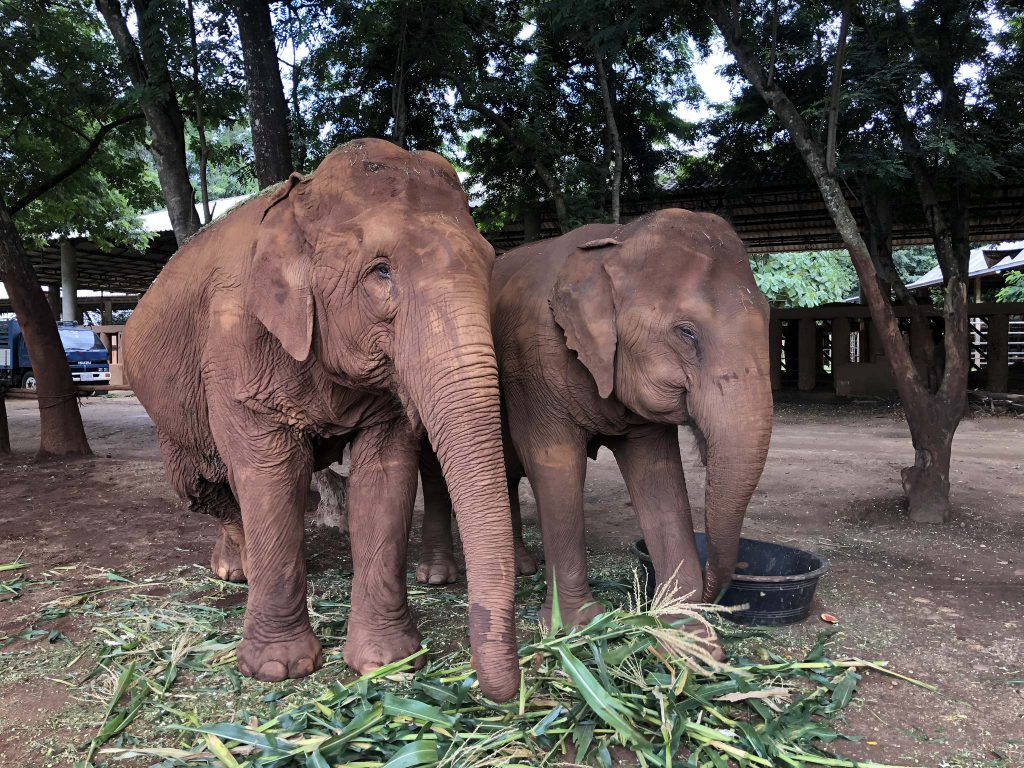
x=557 y=470
x=277 y=641
x=382 y=491
x=653 y=471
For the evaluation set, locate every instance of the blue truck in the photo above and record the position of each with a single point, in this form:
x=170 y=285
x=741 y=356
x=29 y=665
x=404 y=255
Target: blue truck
x=88 y=359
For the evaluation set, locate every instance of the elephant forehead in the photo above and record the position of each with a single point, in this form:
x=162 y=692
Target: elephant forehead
x=374 y=172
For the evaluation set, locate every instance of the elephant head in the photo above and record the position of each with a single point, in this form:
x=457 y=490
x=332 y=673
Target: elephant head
x=668 y=320
x=372 y=270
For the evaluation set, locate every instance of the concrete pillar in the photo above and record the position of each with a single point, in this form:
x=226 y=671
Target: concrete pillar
x=775 y=352
x=108 y=312
x=807 y=365
x=53 y=299
x=69 y=282
x=998 y=349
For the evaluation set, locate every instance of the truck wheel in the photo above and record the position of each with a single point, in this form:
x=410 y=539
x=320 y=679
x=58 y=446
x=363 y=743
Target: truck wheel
x=28 y=381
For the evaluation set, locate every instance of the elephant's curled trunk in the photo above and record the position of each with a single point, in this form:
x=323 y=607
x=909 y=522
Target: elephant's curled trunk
x=457 y=397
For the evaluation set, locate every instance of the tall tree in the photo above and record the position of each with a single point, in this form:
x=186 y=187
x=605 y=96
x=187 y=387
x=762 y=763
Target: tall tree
x=268 y=109
x=146 y=63
x=912 y=129
x=58 y=173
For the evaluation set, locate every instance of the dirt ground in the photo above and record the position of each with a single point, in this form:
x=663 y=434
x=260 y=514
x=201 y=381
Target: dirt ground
x=942 y=604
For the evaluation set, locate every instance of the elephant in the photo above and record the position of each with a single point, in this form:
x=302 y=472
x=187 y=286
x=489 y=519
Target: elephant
x=347 y=308
x=613 y=335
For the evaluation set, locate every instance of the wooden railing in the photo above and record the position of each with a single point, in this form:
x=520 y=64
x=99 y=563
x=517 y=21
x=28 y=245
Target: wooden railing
x=836 y=347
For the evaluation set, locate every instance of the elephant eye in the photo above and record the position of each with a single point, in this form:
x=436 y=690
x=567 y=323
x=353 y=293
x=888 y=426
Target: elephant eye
x=688 y=332
x=383 y=270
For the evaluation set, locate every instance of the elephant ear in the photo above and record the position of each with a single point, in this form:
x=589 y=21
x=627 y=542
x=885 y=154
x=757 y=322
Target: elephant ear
x=279 y=291
x=584 y=308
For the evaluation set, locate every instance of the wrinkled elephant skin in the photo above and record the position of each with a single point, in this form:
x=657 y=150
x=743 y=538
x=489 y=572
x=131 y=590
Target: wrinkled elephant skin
x=346 y=308
x=614 y=335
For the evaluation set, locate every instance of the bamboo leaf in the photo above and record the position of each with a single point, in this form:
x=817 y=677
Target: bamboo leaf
x=416 y=753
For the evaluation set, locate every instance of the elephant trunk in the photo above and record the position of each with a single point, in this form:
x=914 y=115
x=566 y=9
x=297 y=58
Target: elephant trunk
x=455 y=390
x=737 y=425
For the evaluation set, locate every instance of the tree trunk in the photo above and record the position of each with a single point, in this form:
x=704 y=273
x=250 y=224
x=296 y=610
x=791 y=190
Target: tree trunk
x=398 y=104
x=197 y=97
x=932 y=425
x=147 y=69
x=613 y=130
x=932 y=418
x=61 y=432
x=268 y=109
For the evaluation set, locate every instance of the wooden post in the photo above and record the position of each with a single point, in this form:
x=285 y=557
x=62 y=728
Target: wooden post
x=998 y=348
x=807 y=369
x=775 y=352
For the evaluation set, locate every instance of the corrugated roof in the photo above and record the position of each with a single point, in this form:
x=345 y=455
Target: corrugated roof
x=978 y=266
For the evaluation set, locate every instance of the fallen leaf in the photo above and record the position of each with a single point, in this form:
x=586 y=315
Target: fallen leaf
x=767 y=693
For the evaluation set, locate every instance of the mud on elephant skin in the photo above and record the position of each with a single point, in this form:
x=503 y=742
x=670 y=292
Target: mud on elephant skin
x=615 y=335
x=347 y=308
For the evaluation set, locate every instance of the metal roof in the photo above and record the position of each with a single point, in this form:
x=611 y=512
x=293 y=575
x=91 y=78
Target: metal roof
x=983 y=262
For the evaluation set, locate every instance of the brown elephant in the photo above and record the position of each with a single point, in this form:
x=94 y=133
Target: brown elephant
x=348 y=307
x=614 y=335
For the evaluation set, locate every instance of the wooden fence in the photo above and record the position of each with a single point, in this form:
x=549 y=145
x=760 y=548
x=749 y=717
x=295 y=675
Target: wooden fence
x=837 y=348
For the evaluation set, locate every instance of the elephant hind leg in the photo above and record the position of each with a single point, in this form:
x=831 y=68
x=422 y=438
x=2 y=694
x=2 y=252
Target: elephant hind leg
x=437 y=564
x=526 y=563
x=228 y=561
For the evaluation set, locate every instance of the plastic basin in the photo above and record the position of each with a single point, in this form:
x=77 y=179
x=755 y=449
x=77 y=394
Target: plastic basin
x=776 y=582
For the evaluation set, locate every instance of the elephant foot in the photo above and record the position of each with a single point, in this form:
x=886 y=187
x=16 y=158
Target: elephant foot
x=526 y=563
x=228 y=559
x=368 y=646
x=574 y=615
x=436 y=568
x=281 y=660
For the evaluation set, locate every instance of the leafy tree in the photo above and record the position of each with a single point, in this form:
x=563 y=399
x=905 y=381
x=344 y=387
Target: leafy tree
x=68 y=165
x=805 y=279
x=1013 y=289
x=871 y=96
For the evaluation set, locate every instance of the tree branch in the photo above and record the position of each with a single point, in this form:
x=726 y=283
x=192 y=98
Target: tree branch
x=546 y=177
x=837 y=81
x=72 y=168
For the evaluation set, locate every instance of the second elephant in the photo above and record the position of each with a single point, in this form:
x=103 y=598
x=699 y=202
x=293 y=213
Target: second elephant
x=615 y=335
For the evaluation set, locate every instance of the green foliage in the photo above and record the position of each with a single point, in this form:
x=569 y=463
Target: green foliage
x=1013 y=290
x=914 y=262
x=805 y=279
x=59 y=85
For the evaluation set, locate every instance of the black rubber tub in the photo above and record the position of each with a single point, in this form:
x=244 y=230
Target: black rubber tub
x=776 y=582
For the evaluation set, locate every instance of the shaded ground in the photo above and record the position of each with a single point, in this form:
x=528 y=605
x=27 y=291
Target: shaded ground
x=943 y=604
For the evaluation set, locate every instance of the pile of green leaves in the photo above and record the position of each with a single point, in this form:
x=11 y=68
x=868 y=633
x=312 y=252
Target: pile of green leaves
x=615 y=684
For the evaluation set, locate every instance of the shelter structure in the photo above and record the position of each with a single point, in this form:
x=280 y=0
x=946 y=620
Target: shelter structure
x=829 y=348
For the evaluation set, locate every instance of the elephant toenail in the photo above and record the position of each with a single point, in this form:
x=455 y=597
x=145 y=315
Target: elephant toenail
x=272 y=672
x=302 y=667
